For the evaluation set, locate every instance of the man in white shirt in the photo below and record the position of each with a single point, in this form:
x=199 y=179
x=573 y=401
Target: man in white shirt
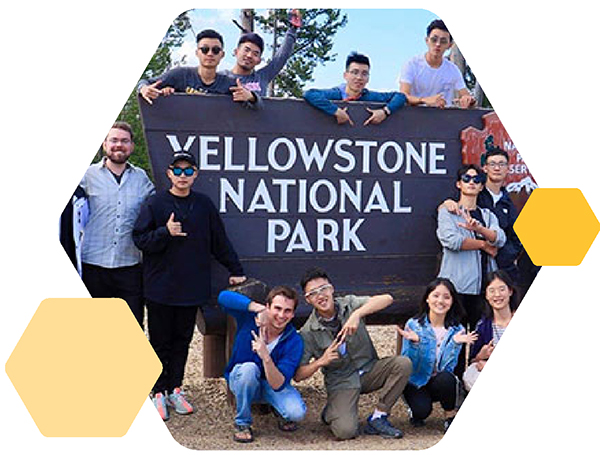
x=431 y=79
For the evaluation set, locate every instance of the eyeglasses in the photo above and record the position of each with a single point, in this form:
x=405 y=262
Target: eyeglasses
x=359 y=73
x=497 y=165
x=216 y=50
x=434 y=39
x=476 y=178
x=115 y=141
x=320 y=290
x=187 y=171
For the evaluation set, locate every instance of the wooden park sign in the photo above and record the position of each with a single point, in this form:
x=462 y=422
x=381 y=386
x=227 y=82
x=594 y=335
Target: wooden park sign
x=296 y=190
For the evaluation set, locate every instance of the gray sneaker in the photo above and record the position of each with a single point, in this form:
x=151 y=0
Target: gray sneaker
x=382 y=427
x=178 y=402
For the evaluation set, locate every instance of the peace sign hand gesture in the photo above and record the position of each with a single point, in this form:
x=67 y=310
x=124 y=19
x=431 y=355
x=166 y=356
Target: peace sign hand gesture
x=258 y=344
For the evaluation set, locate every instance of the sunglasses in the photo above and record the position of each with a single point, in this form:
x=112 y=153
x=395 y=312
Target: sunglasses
x=434 y=39
x=178 y=171
x=320 y=290
x=476 y=178
x=216 y=50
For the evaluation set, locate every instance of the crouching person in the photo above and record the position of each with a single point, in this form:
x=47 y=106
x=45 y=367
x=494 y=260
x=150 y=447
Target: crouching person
x=266 y=352
x=336 y=337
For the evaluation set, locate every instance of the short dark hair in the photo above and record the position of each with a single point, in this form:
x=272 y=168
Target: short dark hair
x=455 y=314
x=121 y=125
x=439 y=24
x=506 y=279
x=467 y=167
x=495 y=151
x=312 y=274
x=253 y=38
x=355 y=57
x=209 y=33
x=286 y=292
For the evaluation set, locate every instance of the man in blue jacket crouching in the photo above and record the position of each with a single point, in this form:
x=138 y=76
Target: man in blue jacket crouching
x=266 y=352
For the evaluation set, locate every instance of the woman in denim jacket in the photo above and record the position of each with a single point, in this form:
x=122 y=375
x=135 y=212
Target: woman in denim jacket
x=432 y=341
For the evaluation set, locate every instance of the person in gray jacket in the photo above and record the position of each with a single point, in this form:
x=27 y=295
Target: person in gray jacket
x=470 y=240
x=248 y=55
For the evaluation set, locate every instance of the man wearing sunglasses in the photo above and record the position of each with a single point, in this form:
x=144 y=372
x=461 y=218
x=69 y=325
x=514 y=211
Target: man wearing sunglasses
x=470 y=240
x=495 y=197
x=336 y=337
x=431 y=79
x=202 y=79
x=178 y=231
x=357 y=73
x=248 y=55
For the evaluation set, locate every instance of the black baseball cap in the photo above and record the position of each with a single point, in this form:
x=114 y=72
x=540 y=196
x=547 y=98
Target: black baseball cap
x=184 y=156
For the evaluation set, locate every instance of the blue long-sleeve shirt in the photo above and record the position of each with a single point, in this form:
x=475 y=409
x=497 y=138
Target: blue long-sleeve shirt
x=287 y=353
x=322 y=98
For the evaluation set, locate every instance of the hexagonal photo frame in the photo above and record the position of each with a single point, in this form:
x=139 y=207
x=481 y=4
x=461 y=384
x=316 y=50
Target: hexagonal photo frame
x=487 y=137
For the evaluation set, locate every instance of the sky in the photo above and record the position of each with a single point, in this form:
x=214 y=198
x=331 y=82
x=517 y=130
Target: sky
x=388 y=36
x=69 y=91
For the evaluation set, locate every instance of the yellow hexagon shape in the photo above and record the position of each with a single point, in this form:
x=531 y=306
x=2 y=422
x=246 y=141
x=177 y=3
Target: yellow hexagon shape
x=83 y=367
x=557 y=226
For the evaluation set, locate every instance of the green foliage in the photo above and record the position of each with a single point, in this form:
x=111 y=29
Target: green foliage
x=313 y=45
x=159 y=63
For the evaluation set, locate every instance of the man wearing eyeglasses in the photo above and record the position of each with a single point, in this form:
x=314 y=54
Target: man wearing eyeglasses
x=115 y=189
x=336 y=337
x=357 y=74
x=179 y=230
x=431 y=79
x=201 y=79
x=248 y=55
x=495 y=197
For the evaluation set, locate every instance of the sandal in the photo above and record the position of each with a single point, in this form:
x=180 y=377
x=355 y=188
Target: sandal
x=284 y=425
x=243 y=434
x=287 y=425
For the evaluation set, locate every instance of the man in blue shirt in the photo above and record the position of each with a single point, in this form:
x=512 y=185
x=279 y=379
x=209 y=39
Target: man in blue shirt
x=266 y=354
x=115 y=190
x=357 y=77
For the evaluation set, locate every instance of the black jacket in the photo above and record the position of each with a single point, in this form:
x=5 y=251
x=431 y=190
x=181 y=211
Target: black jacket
x=177 y=269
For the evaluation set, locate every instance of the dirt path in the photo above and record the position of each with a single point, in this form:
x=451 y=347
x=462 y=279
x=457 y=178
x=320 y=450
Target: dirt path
x=211 y=426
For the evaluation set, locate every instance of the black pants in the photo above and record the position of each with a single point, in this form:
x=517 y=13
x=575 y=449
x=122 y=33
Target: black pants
x=120 y=282
x=171 y=329
x=442 y=387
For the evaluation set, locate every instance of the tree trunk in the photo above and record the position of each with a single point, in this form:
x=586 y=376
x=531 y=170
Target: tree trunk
x=247 y=18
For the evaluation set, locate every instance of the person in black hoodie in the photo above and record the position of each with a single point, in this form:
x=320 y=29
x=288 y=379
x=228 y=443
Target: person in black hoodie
x=178 y=231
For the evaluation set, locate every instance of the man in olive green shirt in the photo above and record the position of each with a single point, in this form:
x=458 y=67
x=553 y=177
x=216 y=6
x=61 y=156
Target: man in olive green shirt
x=335 y=335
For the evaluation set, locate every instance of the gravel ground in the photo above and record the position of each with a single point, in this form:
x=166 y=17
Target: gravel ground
x=211 y=426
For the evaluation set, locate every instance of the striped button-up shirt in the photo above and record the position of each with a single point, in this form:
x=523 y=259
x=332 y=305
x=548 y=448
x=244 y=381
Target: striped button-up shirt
x=114 y=207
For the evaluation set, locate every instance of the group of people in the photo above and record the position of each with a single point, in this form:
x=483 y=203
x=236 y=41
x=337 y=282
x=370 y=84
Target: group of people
x=428 y=79
x=179 y=230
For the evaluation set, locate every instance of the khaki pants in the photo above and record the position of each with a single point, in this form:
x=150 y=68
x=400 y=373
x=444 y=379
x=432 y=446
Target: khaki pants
x=388 y=375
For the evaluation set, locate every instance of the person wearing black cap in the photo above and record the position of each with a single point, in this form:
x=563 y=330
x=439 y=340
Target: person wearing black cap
x=248 y=55
x=178 y=230
x=202 y=79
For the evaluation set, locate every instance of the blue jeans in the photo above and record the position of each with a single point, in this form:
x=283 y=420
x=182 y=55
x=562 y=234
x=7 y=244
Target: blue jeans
x=248 y=387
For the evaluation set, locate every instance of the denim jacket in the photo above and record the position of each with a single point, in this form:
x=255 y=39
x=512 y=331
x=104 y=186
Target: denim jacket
x=422 y=354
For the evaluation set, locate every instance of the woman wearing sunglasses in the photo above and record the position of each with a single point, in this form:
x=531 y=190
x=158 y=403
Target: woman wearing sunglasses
x=470 y=241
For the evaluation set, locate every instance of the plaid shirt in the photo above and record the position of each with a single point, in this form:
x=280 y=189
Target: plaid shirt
x=114 y=207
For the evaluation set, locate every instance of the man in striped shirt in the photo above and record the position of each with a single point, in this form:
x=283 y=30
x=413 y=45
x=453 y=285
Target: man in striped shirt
x=115 y=190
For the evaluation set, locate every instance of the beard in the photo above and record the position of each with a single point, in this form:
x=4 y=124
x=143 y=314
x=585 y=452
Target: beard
x=118 y=156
